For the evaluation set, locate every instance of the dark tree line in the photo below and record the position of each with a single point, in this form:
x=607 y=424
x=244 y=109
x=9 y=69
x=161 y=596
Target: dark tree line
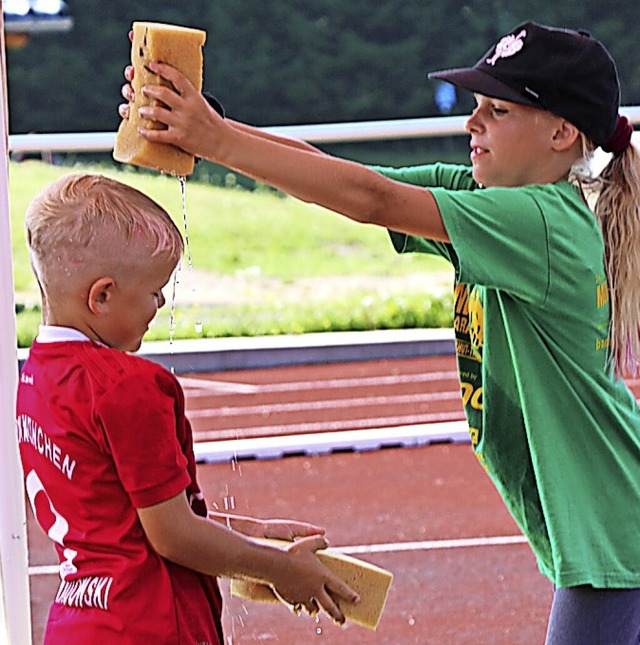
x=294 y=61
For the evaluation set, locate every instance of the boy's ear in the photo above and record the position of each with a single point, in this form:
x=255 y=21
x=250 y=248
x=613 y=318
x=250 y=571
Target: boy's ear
x=565 y=136
x=100 y=294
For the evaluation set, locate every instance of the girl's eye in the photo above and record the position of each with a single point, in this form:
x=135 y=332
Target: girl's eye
x=498 y=110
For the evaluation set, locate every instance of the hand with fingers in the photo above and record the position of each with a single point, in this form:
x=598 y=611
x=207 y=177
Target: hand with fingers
x=305 y=583
x=183 y=111
x=287 y=530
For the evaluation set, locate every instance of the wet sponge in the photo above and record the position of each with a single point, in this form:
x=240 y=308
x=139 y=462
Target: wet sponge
x=370 y=582
x=180 y=47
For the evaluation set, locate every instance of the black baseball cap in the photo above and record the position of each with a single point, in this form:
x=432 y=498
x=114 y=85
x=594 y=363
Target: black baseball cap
x=566 y=72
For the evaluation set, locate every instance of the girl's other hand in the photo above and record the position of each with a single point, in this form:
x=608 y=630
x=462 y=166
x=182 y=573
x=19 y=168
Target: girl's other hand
x=127 y=93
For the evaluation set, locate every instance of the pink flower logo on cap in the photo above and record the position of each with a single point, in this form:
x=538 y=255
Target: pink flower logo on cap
x=508 y=46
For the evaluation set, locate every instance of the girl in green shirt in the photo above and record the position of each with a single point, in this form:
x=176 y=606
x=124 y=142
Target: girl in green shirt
x=547 y=294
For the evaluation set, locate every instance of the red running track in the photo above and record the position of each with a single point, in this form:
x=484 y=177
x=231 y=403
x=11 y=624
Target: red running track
x=463 y=573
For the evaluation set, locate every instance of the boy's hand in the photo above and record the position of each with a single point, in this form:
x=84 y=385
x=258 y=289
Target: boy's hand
x=275 y=529
x=306 y=583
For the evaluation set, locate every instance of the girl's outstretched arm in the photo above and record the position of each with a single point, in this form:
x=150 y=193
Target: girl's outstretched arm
x=298 y=169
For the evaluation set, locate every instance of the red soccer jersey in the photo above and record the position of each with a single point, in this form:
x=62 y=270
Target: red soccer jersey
x=101 y=434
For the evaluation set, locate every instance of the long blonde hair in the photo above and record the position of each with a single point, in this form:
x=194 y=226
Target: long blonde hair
x=616 y=204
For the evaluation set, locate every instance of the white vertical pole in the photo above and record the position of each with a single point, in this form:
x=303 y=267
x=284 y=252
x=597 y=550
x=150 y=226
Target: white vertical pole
x=15 y=628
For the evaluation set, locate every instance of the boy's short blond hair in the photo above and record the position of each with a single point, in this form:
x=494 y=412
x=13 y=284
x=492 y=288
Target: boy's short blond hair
x=86 y=218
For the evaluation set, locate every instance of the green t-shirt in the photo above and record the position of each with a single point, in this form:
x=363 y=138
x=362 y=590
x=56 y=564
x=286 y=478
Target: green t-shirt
x=556 y=431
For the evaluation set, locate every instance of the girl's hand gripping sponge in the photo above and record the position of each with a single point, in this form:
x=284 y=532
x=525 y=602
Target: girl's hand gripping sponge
x=180 y=47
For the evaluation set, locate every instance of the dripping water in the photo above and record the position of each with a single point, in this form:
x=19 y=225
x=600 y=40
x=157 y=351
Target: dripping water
x=183 y=194
x=172 y=314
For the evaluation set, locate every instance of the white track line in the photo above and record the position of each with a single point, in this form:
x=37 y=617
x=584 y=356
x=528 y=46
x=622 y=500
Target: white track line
x=322 y=404
x=292 y=431
x=44 y=570
x=432 y=545
x=389 y=547
x=202 y=389
x=205 y=387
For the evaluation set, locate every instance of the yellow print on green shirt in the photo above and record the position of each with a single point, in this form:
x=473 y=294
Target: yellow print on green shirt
x=476 y=321
x=469 y=334
x=602 y=291
x=602 y=300
x=468 y=322
x=461 y=309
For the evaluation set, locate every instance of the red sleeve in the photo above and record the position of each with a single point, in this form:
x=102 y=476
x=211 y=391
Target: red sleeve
x=142 y=417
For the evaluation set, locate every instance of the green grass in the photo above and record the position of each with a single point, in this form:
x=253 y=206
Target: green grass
x=343 y=314
x=235 y=233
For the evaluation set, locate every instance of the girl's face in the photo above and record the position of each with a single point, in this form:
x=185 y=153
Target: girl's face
x=511 y=143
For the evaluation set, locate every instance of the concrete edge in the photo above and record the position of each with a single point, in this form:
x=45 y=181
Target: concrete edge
x=325 y=443
x=227 y=354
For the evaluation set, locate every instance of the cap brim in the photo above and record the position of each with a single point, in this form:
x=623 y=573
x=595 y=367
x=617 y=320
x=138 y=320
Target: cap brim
x=479 y=82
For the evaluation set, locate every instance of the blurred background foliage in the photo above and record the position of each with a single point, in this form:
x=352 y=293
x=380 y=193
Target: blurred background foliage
x=287 y=62
x=275 y=62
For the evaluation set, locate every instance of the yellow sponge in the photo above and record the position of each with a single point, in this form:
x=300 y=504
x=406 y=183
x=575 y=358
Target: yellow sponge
x=370 y=582
x=180 y=47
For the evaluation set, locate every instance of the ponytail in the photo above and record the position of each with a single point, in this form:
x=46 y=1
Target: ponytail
x=617 y=208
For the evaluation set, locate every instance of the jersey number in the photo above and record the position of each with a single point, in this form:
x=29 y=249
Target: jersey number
x=50 y=520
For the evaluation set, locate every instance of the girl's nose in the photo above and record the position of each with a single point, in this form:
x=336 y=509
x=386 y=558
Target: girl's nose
x=472 y=123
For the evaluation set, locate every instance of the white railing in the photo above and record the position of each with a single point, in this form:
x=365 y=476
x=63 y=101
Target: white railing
x=314 y=133
x=15 y=621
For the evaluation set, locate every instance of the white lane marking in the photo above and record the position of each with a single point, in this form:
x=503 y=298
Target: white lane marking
x=432 y=545
x=315 y=443
x=390 y=547
x=44 y=570
x=320 y=427
x=298 y=386
x=206 y=387
x=266 y=409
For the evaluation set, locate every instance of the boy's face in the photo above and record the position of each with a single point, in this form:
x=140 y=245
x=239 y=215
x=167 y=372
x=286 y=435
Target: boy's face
x=510 y=143
x=134 y=301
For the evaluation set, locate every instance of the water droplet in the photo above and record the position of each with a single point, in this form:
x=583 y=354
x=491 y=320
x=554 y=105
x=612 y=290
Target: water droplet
x=172 y=315
x=183 y=194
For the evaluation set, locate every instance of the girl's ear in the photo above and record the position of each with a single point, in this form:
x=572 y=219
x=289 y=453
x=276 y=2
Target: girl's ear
x=100 y=294
x=565 y=136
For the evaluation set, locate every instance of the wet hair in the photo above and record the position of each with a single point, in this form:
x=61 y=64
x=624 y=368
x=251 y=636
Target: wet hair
x=616 y=203
x=78 y=215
